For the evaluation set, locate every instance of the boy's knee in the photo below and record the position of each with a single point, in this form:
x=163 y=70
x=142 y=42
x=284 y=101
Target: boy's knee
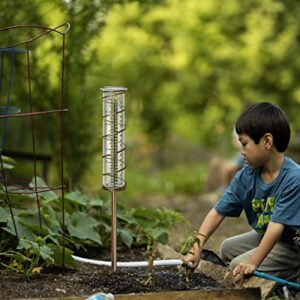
x=228 y=255
x=225 y=252
x=234 y=263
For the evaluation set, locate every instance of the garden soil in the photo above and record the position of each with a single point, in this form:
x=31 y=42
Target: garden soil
x=89 y=279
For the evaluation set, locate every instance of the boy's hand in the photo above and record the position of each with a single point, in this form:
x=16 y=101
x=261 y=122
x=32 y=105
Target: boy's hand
x=244 y=268
x=193 y=257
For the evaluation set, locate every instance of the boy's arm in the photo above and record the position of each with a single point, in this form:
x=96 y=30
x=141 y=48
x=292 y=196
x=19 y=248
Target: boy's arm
x=271 y=236
x=210 y=223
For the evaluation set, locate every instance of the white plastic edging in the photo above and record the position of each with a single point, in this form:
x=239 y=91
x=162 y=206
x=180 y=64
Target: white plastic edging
x=131 y=264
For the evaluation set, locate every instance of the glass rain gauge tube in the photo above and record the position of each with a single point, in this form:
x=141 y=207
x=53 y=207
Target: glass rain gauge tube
x=113 y=152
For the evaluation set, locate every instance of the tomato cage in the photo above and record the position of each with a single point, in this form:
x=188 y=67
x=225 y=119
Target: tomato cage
x=21 y=98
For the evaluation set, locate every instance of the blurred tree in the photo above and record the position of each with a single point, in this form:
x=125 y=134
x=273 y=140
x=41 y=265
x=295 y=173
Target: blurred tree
x=81 y=88
x=82 y=94
x=11 y=15
x=192 y=65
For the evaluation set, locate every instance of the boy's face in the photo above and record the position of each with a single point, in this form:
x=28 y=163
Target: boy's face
x=255 y=155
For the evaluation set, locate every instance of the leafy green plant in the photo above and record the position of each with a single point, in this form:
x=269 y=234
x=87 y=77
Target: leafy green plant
x=87 y=224
x=155 y=222
x=153 y=226
x=32 y=232
x=186 y=248
x=32 y=256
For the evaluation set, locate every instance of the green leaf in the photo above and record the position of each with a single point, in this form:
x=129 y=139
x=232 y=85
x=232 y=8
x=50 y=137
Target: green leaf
x=4 y=215
x=39 y=183
x=53 y=236
x=125 y=216
x=22 y=230
x=58 y=256
x=82 y=226
x=19 y=200
x=8 y=166
x=51 y=220
x=159 y=234
x=47 y=254
x=145 y=217
x=126 y=237
x=26 y=244
x=77 y=198
x=96 y=202
x=8 y=162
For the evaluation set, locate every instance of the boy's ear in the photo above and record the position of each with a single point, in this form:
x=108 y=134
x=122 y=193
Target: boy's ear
x=268 y=140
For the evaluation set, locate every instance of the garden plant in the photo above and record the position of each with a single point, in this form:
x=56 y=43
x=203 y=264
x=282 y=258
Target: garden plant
x=39 y=250
x=87 y=226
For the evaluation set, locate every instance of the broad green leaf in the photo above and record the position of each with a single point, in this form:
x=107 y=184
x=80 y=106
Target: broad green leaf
x=126 y=237
x=47 y=254
x=19 y=200
x=96 y=202
x=26 y=244
x=22 y=229
x=4 y=215
x=77 y=197
x=53 y=236
x=158 y=234
x=125 y=216
x=82 y=226
x=50 y=219
x=41 y=185
x=58 y=256
x=145 y=217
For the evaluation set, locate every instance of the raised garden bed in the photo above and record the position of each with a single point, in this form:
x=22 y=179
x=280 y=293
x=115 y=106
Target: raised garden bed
x=89 y=279
x=127 y=283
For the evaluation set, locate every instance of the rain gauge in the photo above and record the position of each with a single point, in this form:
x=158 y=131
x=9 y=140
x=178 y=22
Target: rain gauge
x=113 y=153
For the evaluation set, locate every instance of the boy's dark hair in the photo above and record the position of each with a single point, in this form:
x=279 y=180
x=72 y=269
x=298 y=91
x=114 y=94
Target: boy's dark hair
x=261 y=118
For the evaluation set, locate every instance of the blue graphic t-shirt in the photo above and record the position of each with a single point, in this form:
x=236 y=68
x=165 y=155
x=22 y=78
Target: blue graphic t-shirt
x=278 y=201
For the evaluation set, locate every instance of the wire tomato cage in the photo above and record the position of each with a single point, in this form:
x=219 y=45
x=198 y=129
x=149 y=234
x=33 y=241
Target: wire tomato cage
x=9 y=113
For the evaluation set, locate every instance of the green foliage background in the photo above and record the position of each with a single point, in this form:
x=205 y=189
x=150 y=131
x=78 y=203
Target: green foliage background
x=189 y=66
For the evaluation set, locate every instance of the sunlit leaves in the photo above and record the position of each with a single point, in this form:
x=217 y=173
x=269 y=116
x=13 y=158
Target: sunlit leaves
x=209 y=59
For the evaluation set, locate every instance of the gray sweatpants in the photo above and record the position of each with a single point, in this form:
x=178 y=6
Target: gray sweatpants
x=283 y=260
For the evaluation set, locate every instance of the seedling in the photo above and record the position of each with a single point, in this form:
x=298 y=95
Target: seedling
x=187 y=248
x=148 y=280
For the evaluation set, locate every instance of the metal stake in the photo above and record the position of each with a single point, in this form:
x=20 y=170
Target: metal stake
x=114 y=231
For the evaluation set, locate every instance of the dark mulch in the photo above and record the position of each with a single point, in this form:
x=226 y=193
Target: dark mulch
x=89 y=279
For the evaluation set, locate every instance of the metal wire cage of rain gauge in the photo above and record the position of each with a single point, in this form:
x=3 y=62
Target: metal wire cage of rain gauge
x=113 y=152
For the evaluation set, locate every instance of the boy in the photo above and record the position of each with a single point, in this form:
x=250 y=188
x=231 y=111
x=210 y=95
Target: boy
x=268 y=190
